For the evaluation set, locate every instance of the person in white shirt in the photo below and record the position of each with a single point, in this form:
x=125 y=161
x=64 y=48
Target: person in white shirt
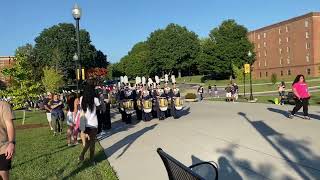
x=89 y=104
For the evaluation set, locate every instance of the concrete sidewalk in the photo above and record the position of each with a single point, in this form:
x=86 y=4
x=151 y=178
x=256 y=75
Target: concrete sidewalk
x=247 y=141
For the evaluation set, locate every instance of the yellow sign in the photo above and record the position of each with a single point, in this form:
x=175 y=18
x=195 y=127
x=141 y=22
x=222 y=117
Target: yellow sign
x=78 y=74
x=83 y=74
x=246 y=68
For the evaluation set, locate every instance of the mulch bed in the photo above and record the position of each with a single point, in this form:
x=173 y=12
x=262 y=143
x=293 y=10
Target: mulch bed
x=30 y=126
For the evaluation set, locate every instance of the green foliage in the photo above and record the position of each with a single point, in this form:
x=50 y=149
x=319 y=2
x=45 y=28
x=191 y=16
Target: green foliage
x=22 y=87
x=274 y=78
x=52 y=79
x=56 y=46
x=174 y=48
x=191 y=96
x=227 y=45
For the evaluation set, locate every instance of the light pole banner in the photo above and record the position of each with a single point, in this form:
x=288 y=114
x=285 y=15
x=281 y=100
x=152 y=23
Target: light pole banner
x=246 y=68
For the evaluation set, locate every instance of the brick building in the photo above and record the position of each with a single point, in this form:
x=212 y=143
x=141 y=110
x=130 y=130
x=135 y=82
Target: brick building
x=288 y=48
x=5 y=61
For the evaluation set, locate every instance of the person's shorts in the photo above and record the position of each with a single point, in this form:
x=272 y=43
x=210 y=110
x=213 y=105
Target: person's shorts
x=49 y=117
x=228 y=95
x=5 y=164
x=281 y=93
x=70 y=120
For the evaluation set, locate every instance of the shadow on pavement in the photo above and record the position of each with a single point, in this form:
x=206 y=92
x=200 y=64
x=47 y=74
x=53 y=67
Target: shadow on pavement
x=285 y=113
x=295 y=153
x=127 y=142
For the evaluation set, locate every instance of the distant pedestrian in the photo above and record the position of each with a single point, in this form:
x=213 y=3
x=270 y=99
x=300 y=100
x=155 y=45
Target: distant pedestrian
x=228 y=93
x=70 y=119
x=57 y=114
x=281 y=89
x=210 y=90
x=236 y=92
x=215 y=89
x=301 y=92
x=48 y=109
x=200 y=92
x=7 y=139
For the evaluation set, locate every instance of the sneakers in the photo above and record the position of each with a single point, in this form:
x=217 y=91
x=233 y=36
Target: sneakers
x=306 y=117
x=290 y=115
x=51 y=128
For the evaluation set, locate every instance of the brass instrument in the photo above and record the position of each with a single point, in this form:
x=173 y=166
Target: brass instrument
x=163 y=103
x=147 y=106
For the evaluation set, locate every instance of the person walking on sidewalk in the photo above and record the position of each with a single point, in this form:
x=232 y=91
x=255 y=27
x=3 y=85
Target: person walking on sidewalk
x=7 y=139
x=301 y=92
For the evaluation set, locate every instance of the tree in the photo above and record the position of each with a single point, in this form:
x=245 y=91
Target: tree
x=231 y=46
x=274 y=78
x=56 y=46
x=174 y=48
x=23 y=87
x=52 y=79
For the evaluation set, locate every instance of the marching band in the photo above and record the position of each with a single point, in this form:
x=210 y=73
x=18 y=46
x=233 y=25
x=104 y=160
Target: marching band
x=148 y=100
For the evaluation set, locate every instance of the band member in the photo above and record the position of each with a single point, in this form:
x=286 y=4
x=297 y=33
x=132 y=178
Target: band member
x=137 y=99
x=146 y=96
x=167 y=90
x=159 y=94
x=174 y=94
x=128 y=95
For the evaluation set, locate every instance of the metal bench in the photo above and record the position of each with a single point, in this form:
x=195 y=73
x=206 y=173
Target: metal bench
x=178 y=171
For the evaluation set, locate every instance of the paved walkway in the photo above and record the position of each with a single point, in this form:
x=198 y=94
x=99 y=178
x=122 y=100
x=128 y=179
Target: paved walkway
x=248 y=141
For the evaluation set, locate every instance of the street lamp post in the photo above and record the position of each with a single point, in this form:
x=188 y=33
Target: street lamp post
x=76 y=13
x=251 y=96
x=76 y=58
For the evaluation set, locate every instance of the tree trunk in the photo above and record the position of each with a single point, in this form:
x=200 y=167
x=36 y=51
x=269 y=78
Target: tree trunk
x=179 y=74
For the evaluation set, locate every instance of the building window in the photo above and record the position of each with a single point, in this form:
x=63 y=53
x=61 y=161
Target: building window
x=259 y=54
x=264 y=35
x=281 y=73
x=307 y=58
x=280 y=50
x=288 y=49
x=287 y=39
x=287 y=29
x=258 y=45
x=288 y=60
x=307 y=45
x=265 y=53
x=264 y=44
x=307 y=35
x=289 y=72
x=308 y=71
x=280 y=61
x=266 y=74
x=279 y=30
x=306 y=23
x=260 y=74
x=279 y=40
x=259 y=64
x=265 y=62
x=258 y=36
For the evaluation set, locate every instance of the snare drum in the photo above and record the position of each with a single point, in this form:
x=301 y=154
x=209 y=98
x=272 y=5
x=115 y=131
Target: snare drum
x=128 y=104
x=147 y=106
x=163 y=103
x=178 y=103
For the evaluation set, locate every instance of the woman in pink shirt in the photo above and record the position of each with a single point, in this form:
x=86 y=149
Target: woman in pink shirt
x=300 y=90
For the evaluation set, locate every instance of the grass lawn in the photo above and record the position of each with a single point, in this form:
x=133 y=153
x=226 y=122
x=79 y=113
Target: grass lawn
x=40 y=155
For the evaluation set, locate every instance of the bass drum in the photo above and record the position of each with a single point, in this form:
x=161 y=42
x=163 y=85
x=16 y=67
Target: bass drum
x=163 y=103
x=147 y=106
x=178 y=103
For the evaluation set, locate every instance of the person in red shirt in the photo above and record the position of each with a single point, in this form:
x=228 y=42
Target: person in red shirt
x=301 y=92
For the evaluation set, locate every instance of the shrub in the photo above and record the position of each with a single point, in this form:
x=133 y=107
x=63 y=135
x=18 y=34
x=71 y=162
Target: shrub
x=191 y=96
x=274 y=78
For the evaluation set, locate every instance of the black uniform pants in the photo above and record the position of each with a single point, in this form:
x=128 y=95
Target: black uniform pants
x=301 y=103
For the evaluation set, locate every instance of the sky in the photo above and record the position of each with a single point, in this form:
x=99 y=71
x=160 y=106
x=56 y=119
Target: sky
x=116 y=25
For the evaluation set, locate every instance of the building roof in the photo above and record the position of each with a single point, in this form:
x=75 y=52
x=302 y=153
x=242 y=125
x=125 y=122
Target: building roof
x=311 y=14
